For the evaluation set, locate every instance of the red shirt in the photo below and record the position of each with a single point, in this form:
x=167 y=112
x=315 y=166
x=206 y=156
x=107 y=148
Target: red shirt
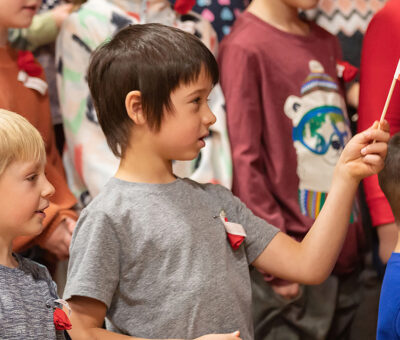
x=380 y=54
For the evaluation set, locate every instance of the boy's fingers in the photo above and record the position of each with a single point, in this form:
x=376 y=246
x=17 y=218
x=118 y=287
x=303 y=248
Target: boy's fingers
x=375 y=148
x=373 y=135
x=236 y=334
x=373 y=159
x=384 y=126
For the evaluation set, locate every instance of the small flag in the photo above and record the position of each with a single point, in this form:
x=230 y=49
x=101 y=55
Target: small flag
x=235 y=232
x=397 y=73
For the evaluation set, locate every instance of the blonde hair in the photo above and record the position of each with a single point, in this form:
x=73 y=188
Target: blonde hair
x=19 y=140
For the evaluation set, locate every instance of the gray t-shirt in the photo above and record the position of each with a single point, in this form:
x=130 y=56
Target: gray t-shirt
x=158 y=256
x=27 y=302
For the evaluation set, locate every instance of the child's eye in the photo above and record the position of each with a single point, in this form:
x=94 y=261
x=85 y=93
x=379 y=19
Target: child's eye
x=196 y=100
x=32 y=178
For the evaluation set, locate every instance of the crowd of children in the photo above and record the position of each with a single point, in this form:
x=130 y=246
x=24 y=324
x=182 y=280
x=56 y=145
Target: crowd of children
x=189 y=209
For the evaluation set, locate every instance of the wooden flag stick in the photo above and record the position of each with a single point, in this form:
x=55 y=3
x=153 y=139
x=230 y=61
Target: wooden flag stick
x=395 y=78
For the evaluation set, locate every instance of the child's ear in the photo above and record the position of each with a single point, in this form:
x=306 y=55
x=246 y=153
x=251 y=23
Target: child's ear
x=133 y=105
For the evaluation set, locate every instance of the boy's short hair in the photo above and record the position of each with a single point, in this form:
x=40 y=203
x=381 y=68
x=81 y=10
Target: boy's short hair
x=151 y=58
x=389 y=177
x=19 y=140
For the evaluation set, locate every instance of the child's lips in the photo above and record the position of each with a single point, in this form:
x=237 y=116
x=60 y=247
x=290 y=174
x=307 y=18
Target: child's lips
x=30 y=8
x=41 y=213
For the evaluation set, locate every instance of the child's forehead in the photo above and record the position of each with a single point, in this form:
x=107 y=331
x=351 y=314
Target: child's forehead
x=203 y=82
x=28 y=164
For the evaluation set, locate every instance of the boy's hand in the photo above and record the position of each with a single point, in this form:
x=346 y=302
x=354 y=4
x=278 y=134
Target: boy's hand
x=229 y=336
x=288 y=291
x=59 y=241
x=365 y=153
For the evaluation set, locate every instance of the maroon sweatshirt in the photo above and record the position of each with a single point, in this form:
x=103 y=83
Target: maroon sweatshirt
x=287 y=125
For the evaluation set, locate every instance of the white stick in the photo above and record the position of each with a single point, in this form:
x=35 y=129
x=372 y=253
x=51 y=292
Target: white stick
x=395 y=78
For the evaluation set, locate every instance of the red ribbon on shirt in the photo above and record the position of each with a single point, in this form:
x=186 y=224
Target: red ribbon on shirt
x=26 y=62
x=234 y=240
x=349 y=72
x=61 y=321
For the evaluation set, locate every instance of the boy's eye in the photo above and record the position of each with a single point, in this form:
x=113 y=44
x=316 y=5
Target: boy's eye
x=196 y=100
x=32 y=178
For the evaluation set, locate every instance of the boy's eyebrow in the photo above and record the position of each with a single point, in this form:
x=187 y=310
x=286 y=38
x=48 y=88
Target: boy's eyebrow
x=34 y=167
x=199 y=91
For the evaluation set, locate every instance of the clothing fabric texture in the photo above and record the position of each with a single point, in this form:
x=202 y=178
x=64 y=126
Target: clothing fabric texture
x=27 y=302
x=288 y=125
x=32 y=105
x=221 y=14
x=321 y=312
x=380 y=56
x=88 y=160
x=166 y=268
x=40 y=37
x=389 y=303
x=348 y=20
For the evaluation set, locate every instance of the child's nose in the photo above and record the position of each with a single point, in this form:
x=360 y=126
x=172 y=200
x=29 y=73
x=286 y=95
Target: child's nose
x=48 y=189
x=210 y=118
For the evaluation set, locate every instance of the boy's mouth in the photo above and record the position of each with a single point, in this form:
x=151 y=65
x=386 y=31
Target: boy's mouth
x=32 y=8
x=204 y=136
x=41 y=211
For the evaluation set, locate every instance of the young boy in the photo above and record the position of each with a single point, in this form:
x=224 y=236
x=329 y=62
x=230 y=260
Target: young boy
x=288 y=124
x=27 y=293
x=389 y=181
x=151 y=251
x=88 y=160
x=24 y=90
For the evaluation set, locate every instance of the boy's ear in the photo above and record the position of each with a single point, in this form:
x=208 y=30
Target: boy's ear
x=133 y=105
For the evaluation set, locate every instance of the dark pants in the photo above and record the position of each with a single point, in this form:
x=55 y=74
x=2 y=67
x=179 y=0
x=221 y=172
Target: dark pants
x=325 y=311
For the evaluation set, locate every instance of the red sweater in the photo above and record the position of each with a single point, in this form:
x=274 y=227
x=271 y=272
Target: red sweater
x=287 y=124
x=380 y=54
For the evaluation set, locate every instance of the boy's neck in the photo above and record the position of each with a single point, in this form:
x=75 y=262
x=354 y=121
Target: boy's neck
x=397 y=248
x=144 y=167
x=280 y=15
x=6 y=258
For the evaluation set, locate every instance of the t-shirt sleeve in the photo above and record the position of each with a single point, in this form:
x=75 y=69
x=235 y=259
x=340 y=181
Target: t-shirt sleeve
x=94 y=265
x=259 y=232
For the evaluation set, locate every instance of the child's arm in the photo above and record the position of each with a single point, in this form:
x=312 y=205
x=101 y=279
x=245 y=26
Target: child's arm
x=88 y=316
x=387 y=235
x=311 y=261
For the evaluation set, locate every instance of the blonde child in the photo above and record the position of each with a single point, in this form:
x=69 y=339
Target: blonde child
x=28 y=297
x=24 y=91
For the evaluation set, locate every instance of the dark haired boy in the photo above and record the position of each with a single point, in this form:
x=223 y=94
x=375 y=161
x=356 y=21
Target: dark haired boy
x=165 y=257
x=389 y=304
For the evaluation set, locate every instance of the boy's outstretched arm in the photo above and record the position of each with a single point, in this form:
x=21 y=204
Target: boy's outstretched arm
x=312 y=260
x=88 y=316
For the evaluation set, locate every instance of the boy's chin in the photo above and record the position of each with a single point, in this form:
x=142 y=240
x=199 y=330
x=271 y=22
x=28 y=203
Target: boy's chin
x=34 y=230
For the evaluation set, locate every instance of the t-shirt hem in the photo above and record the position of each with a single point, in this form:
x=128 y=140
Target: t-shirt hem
x=267 y=238
x=86 y=291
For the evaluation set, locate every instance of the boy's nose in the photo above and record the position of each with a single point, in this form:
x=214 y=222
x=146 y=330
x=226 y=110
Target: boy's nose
x=210 y=118
x=48 y=189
